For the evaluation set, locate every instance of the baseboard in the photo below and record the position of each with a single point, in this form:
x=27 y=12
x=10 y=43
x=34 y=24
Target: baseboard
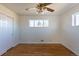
x=70 y=50
x=8 y=50
x=39 y=43
x=5 y=51
x=15 y=45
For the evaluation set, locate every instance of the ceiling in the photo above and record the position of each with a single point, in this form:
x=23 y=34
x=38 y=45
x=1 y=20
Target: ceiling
x=20 y=8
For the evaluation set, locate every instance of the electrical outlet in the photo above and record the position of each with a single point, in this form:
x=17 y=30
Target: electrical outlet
x=42 y=40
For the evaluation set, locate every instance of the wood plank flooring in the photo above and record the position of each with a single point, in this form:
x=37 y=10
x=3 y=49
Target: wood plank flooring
x=39 y=50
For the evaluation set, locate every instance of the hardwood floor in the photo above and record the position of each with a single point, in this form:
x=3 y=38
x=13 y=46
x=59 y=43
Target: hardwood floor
x=39 y=50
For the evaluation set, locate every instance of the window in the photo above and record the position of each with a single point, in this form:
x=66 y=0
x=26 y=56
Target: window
x=75 y=20
x=38 y=23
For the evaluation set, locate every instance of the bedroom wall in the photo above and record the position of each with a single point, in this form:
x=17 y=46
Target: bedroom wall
x=6 y=43
x=60 y=30
x=70 y=34
x=35 y=35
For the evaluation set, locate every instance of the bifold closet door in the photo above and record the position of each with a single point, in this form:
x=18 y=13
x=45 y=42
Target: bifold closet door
x=6 y=30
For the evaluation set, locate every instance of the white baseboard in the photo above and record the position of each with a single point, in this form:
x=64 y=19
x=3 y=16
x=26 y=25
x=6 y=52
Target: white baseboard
x=40 y=43
x=5 y=50
x=15 y=45
x=70 y=49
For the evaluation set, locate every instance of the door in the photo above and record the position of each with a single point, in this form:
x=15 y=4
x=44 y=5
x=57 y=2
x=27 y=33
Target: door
x=6 y=30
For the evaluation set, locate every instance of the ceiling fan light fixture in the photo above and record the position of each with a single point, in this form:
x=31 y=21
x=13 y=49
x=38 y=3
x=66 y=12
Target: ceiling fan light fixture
x=42 y=8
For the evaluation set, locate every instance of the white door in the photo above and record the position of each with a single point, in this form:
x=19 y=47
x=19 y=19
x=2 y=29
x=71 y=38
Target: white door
x=6 y=30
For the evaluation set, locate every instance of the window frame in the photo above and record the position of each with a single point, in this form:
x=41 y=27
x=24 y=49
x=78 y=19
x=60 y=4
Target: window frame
x=75 y=20
x=36 y=21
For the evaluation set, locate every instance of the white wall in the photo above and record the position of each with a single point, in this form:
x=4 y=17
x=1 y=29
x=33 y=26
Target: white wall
x=70 y=35
x=60 y=30
x=4 y=42
x=35 y=35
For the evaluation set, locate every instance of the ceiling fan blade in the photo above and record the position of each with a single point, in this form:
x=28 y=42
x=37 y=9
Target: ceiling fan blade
x=49 y=9
x=27 y=9
x=44 y=4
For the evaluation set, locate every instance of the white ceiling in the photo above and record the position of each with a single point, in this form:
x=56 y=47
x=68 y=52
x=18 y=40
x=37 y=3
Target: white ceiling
x=20 y=8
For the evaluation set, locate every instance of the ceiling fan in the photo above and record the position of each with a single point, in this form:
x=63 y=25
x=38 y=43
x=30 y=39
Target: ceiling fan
x=41 y=7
